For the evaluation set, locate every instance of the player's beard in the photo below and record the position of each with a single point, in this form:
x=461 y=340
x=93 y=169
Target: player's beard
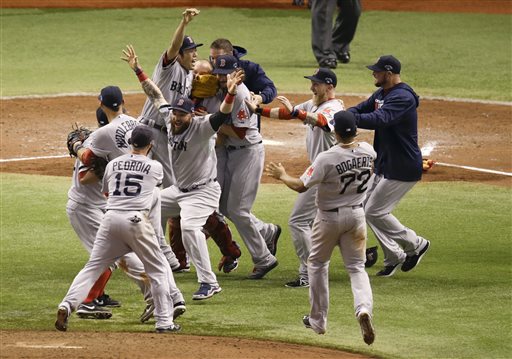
x=319 y=99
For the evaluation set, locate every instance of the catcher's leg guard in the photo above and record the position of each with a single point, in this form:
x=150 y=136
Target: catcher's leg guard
x=221 y=234
x=177 y=242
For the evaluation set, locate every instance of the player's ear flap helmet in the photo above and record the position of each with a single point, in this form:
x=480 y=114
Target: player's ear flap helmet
x=345 y=124
x=141 y=136
x=101 y=117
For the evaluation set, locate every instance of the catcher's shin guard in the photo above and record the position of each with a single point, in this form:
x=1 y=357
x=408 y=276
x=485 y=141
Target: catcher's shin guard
x=176 y=241
x=221 y=234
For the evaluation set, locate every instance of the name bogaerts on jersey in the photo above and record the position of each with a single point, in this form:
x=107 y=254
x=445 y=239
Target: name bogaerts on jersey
x=131 y=165
x=121 y=130
x=357 y=162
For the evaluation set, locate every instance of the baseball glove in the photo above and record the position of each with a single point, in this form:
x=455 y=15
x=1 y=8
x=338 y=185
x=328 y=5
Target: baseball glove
x=79 y=134
x=98 y=165
x=204 y=86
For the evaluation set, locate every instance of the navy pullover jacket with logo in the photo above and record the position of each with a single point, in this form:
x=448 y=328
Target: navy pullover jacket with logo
x=394 y=117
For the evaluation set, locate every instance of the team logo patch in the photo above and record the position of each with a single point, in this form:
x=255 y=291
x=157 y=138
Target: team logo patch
x=242 y=115
x=222 y=63
x=309 y=173
x=135 y=219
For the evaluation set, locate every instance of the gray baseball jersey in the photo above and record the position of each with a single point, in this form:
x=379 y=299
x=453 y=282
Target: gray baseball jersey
x=174 y=81
x=111 y=141
x=342 y=176
x=343 y=173
x=318 y=140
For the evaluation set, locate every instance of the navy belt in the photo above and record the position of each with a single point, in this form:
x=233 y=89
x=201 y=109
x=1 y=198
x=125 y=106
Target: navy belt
x=240 y=147
x=151 y=123
x=336 y=209
x=197 y=186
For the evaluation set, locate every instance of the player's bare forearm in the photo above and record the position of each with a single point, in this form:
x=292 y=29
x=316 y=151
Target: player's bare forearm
x=232 y=83
x=153 y=93
x=179 y=33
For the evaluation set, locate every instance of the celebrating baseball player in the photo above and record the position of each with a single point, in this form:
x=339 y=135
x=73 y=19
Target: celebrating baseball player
x=392 y=112
x=262 y=90
x=130 y=182
x=109 y=142
x=240 y=165
x=341 y=174
x=317 y=113
x=196 y=194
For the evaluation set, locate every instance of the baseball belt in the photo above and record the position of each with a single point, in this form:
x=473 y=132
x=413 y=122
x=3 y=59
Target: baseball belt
x=336 y=209
x=197 y=186
x=244 y=146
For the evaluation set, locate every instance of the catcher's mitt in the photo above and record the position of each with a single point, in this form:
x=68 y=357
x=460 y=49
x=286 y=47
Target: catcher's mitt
x=79 y=134
x=371 y=256
x=204 y=86
x=98 y=165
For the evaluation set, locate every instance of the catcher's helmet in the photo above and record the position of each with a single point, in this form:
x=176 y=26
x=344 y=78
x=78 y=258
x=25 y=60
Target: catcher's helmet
x=371 y=257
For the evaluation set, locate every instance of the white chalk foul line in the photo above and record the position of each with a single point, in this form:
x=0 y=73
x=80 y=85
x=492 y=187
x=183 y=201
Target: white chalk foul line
x=36 y=346
x=31 y=158
x=474 y=169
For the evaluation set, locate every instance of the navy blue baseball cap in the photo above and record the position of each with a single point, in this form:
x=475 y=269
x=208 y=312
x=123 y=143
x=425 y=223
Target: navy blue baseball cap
x=386 y=63
x=325 y=76
x=101 y=117
x=225 y=64
x=188 y=43
x=345 y=124
x=183 y=104
x=141 y=136
x=111 y=97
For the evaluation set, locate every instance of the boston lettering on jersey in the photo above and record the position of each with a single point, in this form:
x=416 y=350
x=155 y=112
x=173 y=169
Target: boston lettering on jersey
x=178 y=87
x=121 y=133
x=131 y=166
x=358 y=162
x=178 y=145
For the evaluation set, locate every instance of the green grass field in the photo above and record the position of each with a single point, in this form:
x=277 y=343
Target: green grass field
x=55 y=51
x=456 y=304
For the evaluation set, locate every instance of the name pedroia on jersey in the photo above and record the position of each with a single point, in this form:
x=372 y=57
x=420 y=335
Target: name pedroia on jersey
x=132 y=165
x=357 y=162
x=121 y=130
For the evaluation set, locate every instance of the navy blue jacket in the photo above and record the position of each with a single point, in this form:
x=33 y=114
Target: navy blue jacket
x=394 y=117
x=255 y=78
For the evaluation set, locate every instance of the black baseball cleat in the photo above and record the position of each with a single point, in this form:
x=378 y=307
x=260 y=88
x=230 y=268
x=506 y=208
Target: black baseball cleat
x=178 y=310
x=371 y=257
x=305 y=321
x=298 y=283
x=105 y=301
x=62 y=319
x=344 y=57
x=259 y=272
x=272 y=246
x=388 y=271
x=173 y=328
x=147 y=313
x=329 y=63
x=367 y=330
x=92 y=311
x=414 y=260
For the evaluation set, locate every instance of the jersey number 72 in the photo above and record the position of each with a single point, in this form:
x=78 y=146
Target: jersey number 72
x=362 y=178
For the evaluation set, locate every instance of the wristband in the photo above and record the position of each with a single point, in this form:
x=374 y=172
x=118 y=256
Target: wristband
x=301 y=114
x=140 y=74
x=294 y=113
x=229 y=98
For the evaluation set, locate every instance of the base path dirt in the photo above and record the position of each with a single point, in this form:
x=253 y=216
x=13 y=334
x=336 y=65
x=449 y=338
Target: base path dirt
x=468 y=134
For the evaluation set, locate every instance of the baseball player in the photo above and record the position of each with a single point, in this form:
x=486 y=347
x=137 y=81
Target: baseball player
x=130 y=182
x=173 y=76
x=392 y=112
x=317 y=113
x=262 y=90
x=110 y=142
x=341 y=174
x=196 y=194
x=239 y=167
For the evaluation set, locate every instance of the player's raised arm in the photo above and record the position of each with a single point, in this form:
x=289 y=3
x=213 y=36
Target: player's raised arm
x=150 y=88
x=218 y=118
x=179 y=34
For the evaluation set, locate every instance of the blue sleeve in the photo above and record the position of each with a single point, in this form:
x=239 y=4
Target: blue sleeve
x=258 y=82
x=390 y=113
